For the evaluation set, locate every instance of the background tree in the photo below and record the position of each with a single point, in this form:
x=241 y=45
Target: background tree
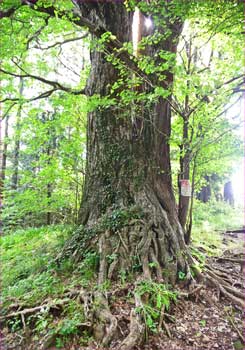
x=50 y=168
x=204 y=86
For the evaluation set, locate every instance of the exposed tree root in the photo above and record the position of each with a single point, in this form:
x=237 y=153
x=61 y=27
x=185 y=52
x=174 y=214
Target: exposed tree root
x=235 y=300
x=162 y=323
x=106 y=324
x=148 y=247
x=136 y=329
x=225 y=288
x=234 y=260
x=34 y=310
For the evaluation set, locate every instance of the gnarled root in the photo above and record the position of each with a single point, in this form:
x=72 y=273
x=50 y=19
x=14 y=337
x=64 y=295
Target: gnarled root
x=136 y=329
x=231 y=293
x=97 y=310
x=224 y=283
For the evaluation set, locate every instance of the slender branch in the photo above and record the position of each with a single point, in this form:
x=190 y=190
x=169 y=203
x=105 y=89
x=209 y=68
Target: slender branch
x=195 y=108
x=59 y=43
x=42 y=95
x=8 y=13
x=199 y=145
x=55 y=84
x=35 y=35
x=8 y=110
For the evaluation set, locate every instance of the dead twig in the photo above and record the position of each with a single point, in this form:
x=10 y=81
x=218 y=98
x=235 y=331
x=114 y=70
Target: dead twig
x=235 y=327
x=33 y=310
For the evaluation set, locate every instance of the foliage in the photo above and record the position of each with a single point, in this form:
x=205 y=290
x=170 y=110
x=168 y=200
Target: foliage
x=61 y=171
x=30 y=276
x=50 y=163
x=26 y=263
x=154 y=296
x=208 y=74
x=47 y=150
x=217 y=215
x=210 y=221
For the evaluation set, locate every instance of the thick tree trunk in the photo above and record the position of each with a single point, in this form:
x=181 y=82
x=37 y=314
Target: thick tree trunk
x=128 y=206
x=128 y=166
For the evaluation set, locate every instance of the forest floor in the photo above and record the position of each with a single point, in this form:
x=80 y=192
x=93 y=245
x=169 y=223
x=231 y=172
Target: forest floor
x=209 y=322
x=206 y=320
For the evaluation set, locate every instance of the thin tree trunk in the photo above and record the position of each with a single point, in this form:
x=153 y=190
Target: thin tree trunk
x=184 y=175
x=185 y=154
x=5 y=148
x=205 y=194
x=190 y=218
x=228 y=193
x=17 y=141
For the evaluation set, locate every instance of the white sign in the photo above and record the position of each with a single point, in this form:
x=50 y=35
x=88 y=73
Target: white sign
x=185 y=188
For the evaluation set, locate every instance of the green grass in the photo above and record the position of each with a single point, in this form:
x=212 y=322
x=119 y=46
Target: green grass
x=27 y=271
x=212 y=219
x=218 y=216
x=30 y=276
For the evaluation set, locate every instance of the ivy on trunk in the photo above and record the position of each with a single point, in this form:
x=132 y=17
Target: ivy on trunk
x=128 y=161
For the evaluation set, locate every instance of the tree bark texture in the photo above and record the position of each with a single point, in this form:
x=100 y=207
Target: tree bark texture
x=128 y=164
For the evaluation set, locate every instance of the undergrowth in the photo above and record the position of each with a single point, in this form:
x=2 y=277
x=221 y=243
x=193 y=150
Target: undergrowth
x=156 y=298
x=30 y=274
x=210 y=221
x=30 y=277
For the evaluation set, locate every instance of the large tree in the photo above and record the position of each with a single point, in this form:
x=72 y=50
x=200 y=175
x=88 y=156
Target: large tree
x=128 y=161
x=128 y=208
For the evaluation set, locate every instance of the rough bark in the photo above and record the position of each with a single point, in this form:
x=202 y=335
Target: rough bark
x=128 y=164
x=128 y=173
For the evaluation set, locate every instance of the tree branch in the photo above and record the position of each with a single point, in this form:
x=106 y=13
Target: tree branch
x=8 y=110
x=8 y=13
x=55 y=84
x=35 y=35
x=42 y=95
x=195 y=108
x=62 y=42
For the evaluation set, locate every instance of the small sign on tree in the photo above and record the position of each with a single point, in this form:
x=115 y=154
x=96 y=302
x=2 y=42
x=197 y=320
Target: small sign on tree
x=185 y=188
